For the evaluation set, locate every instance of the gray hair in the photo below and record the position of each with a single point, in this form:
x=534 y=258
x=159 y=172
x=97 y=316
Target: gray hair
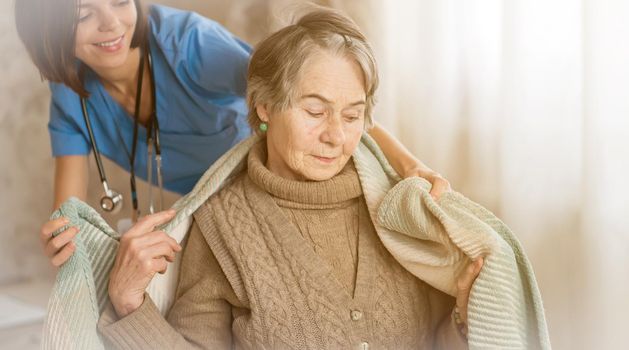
x=276 y=62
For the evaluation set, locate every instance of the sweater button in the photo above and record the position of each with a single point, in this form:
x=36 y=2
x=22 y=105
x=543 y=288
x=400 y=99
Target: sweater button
x=356 y=315
x=364 y=346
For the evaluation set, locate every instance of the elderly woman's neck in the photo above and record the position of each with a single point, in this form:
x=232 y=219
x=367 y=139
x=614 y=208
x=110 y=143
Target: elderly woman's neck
x=278 y=166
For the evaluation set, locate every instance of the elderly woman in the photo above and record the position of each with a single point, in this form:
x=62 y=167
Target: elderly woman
x=286 y=256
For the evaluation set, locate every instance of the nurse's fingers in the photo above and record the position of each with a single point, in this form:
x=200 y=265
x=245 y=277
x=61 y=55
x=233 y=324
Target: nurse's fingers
x=54 y=245
x=439 y=187
x=51 y=226
x=63 y=256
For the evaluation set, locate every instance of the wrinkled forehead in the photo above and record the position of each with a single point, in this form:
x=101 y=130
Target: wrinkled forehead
x=329 y=76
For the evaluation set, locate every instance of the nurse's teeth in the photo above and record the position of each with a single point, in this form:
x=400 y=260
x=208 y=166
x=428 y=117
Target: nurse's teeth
x=109 y=43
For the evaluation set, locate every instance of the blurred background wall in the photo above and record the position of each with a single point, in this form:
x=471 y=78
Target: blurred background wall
x=522 y=104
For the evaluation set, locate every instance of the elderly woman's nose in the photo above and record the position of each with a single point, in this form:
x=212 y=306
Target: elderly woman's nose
x=334 y=133
x=109 y=21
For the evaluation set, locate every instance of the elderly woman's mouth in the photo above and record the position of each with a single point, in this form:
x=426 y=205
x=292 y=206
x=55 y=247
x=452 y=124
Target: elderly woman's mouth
x=326 y=160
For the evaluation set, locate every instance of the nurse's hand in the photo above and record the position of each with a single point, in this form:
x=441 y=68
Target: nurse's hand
x=58 y=249
x=439 y=184
x=142 y=253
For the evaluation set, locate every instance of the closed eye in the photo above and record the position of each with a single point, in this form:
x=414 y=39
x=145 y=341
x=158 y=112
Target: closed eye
x=315 y=114
x=85 y=17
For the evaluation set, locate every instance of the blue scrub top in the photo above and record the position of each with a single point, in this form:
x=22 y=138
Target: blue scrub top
x=200 y=74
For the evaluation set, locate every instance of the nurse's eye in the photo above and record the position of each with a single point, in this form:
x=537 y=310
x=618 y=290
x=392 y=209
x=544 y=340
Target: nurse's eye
x=84 y=16
x=123 y=3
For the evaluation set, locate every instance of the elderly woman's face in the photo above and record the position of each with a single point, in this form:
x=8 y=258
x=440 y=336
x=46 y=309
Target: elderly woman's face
x=314 y=139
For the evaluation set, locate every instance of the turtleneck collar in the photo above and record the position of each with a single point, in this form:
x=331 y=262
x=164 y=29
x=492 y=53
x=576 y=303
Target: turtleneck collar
x=342 y=187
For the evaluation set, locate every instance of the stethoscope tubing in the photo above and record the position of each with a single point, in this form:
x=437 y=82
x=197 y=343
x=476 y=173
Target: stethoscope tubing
x=152 y=141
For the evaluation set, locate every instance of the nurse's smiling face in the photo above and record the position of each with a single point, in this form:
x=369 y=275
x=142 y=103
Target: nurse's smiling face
x=104 y=32
x=316 y=137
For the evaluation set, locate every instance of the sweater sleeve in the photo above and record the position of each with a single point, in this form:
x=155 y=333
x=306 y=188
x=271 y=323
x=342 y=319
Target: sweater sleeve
x=446 y=333
x=200 y=318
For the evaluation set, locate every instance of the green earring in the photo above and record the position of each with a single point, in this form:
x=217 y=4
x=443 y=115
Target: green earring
x=264 y=127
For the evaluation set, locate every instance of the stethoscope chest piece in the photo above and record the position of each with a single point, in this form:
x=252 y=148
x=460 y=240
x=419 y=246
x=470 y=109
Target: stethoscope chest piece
x=111 y=201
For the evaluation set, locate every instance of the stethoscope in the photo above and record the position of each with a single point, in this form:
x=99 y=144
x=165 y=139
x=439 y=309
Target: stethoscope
x=112 y=200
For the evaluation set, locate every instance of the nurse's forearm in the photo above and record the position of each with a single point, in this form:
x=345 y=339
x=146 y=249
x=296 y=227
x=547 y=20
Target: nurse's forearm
x=401 y=159
x=71 y=176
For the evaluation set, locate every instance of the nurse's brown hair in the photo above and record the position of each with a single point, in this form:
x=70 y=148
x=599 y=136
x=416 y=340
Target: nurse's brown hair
x=48 y=30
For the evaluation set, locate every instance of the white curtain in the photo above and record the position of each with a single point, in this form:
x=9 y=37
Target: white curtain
x=524 y=106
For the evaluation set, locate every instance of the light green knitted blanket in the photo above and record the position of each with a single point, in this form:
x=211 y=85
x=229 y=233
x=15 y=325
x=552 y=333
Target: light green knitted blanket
x=431 y=239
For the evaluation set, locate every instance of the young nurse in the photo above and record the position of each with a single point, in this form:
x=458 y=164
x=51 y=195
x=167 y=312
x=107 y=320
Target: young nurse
x=159 y=91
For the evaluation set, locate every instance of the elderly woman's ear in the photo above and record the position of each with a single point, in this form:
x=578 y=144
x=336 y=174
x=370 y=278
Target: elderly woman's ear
x=262 y=112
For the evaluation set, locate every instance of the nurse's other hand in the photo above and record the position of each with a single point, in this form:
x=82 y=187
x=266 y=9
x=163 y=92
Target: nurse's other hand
x=142 y=253
x=439 y=184
x=59 y=248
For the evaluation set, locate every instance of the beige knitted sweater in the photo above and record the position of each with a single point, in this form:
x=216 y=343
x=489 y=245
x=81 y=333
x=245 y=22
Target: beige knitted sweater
x=279 y=264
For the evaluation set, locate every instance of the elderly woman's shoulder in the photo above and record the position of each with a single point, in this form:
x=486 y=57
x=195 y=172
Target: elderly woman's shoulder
x=230 y=195
x=234 y=186
x=227 y=206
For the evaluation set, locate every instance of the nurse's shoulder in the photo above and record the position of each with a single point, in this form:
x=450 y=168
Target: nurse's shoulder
x=65 y=97
x=65 y=108
x=201 y=48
